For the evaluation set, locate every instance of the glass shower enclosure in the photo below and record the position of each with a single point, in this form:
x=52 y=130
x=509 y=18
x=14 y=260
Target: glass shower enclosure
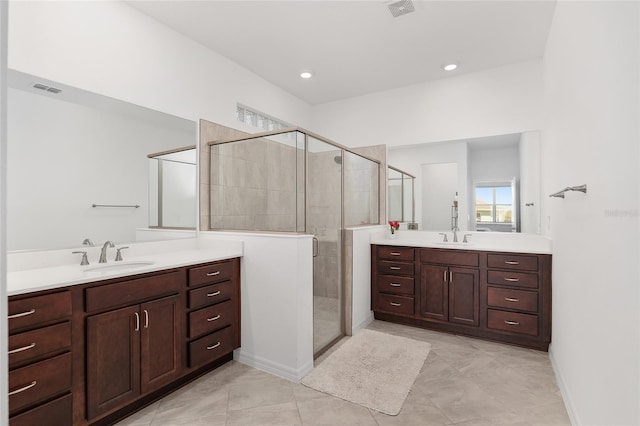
x=298 y=182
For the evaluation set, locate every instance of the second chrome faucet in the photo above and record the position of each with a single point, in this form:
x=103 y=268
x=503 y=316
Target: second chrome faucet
x=103 y=252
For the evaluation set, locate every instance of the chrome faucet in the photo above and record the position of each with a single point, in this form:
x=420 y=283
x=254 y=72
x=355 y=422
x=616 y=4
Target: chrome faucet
x=103 y=252
x=455 y=234
x=88 y=242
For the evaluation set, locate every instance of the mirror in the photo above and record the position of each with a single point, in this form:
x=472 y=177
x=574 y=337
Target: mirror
x=77 y=164
x=463 y=171
x=400 y=195
x=172 y=189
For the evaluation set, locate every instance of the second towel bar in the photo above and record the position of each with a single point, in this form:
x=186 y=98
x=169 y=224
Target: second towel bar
x=579 y=188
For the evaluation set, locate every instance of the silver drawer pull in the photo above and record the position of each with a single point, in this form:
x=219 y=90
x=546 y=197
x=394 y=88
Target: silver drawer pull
x=511 y=299
x=217 y=317
x=511 y=322
x=511 y=262
x=24 y=348
x=213 y=347
x=22 y=314
x=395 y=304
x=395 y=253
x=22 y=389
x=512 y=280
x=213 y=274
x=394 y=285
x=394 y=268
x=215 y=293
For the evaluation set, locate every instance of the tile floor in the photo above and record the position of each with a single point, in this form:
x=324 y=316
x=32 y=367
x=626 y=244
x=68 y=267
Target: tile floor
x=464 y=381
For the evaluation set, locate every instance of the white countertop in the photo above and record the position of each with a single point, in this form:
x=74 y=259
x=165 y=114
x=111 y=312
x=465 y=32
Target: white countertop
x=164 y=255
x=481 y=241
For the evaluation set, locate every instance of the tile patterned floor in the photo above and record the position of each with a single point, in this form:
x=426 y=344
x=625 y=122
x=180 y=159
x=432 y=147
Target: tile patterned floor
x=464 y=381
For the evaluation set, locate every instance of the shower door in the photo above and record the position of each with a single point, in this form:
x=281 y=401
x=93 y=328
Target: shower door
x=324 y=221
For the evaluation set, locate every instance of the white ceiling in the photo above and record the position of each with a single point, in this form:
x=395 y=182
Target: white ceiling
x=358 y=47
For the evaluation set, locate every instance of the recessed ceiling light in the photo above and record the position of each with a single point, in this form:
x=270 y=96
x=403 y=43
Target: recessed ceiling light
x=450 y=67
x=306 y=75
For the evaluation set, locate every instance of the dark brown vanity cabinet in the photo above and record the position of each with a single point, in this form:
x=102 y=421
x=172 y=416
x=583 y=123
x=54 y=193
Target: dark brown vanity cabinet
x=499 y=296
x=135 y=349
x=93 y=353
x=40 y=371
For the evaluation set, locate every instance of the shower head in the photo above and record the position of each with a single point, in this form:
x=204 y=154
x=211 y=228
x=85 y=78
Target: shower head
x=338 y=159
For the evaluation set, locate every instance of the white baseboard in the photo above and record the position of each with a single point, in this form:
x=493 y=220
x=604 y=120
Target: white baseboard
x=277 y=369
x=362 y=324
x=564 y=391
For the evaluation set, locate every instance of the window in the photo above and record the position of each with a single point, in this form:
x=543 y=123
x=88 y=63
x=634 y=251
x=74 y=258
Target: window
x=494 y=204
x=257 y=119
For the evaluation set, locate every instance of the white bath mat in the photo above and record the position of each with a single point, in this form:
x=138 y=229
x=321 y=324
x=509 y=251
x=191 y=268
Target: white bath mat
x=372 y=369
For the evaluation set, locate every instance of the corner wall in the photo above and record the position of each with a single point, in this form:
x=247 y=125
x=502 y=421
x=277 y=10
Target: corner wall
x=591 y=81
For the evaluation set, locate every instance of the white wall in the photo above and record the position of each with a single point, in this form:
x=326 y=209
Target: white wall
x=493 y=102
x=277 y=302
x=591 y=137
x=4 y=365
x=112 y=49
x=361 y=313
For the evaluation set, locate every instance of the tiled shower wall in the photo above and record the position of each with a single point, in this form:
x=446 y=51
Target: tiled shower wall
x=254 y=186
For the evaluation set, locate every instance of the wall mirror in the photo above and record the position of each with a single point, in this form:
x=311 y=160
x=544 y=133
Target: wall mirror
x=400 y=195
x=78 y=165
x=495 y=182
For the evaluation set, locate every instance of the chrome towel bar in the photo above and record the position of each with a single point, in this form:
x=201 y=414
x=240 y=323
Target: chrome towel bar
x=134 y=206
x=580 y=188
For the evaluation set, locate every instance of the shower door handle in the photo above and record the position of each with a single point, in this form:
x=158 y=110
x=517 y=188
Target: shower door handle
x=316 y=246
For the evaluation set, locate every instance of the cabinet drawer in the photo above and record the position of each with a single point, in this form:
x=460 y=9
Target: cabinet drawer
x=210 y=319
x=132 y=291
x=395 y=268
x=513 y=299
x=211 y=347
x=55 y=413
x=513 y=261
x=215 y=273
x=33 y=345
x=513 y=322
x=396 y=253
x=210 y=294
x=39 y=381
x=33 y=311
x=395 y=304
x=398 y=285
x=516 y=279
x=449 y=257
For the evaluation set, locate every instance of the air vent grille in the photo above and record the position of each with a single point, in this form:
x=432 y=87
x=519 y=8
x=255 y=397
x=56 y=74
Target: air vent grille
x=401 y=7
x=46 y=88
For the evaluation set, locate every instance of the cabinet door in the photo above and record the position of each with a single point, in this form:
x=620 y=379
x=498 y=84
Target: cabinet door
x=113 y=360
x=160 y=353
x=464 y=296
x=434 y=292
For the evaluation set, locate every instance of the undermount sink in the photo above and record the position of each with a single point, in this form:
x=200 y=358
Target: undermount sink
x=452 y=244
x=120 y=266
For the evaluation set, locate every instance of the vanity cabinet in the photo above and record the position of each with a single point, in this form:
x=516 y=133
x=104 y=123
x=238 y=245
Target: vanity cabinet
x=94 y=353
x=213 y=311
x=395 y=289
x=493 y=295
x=449 y=286
x=39 y=352
x=135 y=349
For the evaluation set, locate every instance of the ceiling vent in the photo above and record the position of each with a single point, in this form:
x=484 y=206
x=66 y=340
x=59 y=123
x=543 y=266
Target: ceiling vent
x=401 y=7
x=46 y=88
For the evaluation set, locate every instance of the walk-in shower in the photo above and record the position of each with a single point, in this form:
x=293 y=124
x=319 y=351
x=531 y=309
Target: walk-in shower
x=295 y=181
